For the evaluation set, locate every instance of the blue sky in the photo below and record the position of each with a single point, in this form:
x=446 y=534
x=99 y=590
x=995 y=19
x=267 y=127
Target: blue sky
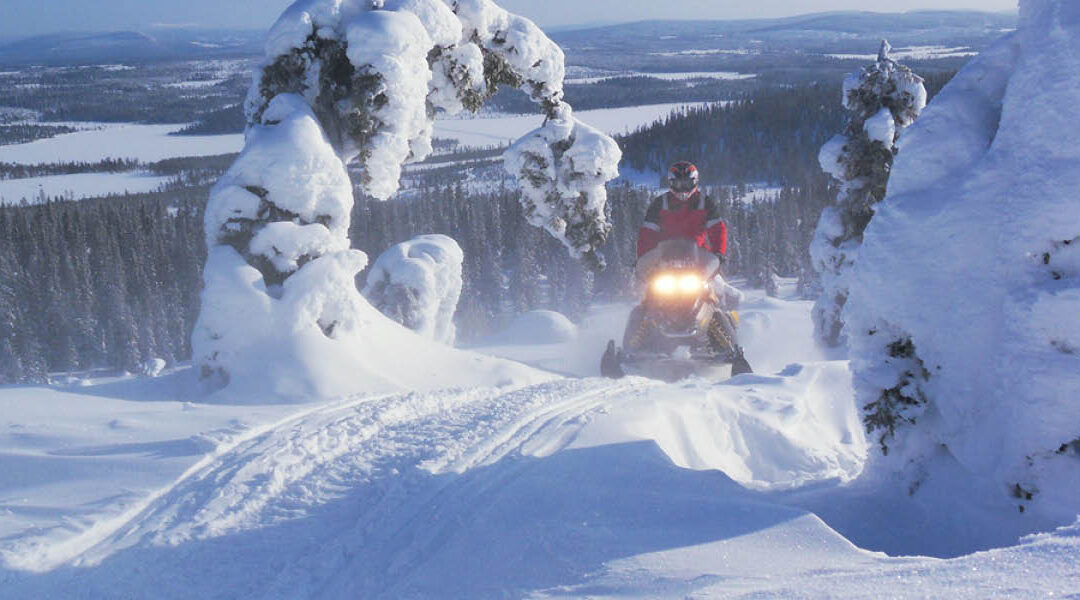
x=31 y=17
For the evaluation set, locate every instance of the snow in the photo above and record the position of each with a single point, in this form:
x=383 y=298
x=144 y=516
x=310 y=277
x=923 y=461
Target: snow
x=394 y=45
x=830 y=157
x=881 y=128
x=201 y=83
x=418 y=284
x=147 y=143
x=561 y=487
x=77 y=186
x=981 y=204
x=707 y=52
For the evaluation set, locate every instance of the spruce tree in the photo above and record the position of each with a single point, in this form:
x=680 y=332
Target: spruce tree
x=881 y=100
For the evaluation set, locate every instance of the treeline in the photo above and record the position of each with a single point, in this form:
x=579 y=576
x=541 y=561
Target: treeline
x=98 y=283
x=22 y=133
x=226 y=120
x=203 y=167
x=772 y=136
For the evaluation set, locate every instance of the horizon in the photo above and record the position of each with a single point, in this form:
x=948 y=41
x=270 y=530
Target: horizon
x=540 y=15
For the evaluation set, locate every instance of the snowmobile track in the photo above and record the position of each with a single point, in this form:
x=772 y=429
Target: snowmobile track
x=381 y=450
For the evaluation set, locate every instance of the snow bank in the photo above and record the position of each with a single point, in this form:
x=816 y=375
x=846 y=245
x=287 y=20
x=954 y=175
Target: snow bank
x=964 y=300
x=418 y=284
x=321 y=338
x=765 y=432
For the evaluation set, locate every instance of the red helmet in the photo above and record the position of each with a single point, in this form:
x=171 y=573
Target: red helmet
x=683 y=177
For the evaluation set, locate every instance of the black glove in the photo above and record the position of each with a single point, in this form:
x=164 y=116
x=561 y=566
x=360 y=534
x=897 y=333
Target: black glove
x=721 y=257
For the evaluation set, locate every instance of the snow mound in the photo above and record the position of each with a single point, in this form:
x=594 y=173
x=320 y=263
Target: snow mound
x=321 y=339
x=963 y=303
x=537 y=327
x=418 y=284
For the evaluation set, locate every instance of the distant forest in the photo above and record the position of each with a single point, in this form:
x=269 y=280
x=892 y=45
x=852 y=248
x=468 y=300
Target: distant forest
x=111 y=283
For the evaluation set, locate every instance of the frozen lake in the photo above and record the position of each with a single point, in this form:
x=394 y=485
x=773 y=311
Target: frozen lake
x=146 y=143
x=77 y=186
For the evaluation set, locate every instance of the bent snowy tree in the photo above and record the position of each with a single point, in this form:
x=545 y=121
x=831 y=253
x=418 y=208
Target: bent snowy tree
x=882 y=99
x=362 y=80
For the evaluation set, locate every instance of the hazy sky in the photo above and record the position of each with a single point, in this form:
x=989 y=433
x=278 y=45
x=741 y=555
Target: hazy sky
x=31 y=17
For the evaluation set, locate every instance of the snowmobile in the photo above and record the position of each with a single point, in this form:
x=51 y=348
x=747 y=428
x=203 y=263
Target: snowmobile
x=681 y=328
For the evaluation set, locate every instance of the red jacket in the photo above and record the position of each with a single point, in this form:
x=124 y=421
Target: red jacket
x=697 y=219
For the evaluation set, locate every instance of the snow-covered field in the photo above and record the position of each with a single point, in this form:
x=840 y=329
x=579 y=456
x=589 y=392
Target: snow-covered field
x=573 y=487
x=77 y=186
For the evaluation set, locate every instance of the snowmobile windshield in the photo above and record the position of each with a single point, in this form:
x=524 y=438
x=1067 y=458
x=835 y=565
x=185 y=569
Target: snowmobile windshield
x=677 y=255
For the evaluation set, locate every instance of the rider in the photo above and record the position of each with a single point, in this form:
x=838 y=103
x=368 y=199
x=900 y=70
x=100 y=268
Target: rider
x=684 y=213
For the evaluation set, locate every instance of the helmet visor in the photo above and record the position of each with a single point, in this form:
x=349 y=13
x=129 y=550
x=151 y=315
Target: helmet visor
x=683 y=184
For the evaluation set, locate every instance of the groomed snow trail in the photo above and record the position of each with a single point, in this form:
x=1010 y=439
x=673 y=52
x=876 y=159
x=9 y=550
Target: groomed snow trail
x=359 y=466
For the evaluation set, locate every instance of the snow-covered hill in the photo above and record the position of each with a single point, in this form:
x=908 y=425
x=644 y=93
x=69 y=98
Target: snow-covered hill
x=568 y=488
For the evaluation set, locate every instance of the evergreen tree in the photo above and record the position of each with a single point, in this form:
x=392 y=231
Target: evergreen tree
x=881 y=100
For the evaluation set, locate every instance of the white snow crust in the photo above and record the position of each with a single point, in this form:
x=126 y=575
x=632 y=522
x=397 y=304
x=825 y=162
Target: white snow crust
x=967 y=258
x=418 y=284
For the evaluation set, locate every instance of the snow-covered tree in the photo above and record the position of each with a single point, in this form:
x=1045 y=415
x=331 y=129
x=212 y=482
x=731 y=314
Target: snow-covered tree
x=962 y=315
x=362 y=80
x=418 y=284
x=882 y=99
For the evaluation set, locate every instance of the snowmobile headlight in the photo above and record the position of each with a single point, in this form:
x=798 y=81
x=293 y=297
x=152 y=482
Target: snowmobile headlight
x=690 y=284
x=665 y=285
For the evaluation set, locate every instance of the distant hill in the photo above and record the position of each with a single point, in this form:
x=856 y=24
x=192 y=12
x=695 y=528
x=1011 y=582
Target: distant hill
x=784 y=46
x=154 y=44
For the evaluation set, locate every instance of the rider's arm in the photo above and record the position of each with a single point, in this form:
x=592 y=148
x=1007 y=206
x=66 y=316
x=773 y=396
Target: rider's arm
x=715 y=228
x=649 y=234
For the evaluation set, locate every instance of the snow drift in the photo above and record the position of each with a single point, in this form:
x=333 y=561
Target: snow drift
x=964 y=301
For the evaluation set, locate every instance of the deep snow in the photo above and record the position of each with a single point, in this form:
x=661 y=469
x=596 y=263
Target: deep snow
x=566 y=488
